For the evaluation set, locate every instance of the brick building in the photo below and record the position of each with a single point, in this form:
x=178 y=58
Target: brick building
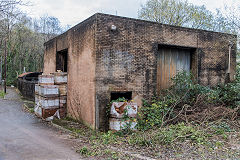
x=108 y=56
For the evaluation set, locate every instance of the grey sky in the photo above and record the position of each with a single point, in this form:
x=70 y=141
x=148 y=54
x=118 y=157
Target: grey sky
x=74 y=11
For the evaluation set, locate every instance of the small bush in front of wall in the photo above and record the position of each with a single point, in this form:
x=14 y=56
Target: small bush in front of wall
x=229 y=94
x=154 y=114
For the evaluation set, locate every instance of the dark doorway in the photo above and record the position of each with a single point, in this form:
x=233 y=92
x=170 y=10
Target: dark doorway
x=116 y=95
x=61 y=60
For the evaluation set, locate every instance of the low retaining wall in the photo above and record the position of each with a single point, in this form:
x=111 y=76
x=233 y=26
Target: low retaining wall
x=26 y=84
x=27 y=88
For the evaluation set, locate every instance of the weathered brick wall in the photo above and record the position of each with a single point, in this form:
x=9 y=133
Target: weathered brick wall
x=213 y=57
x=80 y=43
x=81 y=72
x=62 y=41
x=50 y=57
x=126 y=58
x=101 y=61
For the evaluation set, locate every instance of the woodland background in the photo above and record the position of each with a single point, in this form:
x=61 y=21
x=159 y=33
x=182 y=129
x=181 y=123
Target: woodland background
x=22 y=37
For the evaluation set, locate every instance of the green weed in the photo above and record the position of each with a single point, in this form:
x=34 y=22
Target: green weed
x=84 y=151
x=2 y=94
x=181 y=132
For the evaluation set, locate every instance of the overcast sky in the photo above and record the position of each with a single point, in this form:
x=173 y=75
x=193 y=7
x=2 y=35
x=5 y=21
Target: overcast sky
x=74 y=11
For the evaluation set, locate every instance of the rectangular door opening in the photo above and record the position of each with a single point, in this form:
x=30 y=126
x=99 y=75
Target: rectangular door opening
x=170 y=61
x=62 y=60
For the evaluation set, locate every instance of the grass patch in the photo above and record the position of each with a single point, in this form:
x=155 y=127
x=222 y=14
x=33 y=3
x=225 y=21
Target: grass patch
x=29 y=106
x=2 y=94
x=31 y=110
x=84 y=151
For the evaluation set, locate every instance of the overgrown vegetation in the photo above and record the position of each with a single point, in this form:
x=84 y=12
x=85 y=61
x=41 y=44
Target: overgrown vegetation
x=215 y=140
x=187 y=121
x=189 y=101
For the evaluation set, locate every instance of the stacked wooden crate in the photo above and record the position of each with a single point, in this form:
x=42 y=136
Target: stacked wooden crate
x=46 y=97
x=51 y=95
x=60 y=79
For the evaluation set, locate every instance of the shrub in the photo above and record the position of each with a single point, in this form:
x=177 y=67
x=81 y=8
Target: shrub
x=229 y=93
x=186 y=93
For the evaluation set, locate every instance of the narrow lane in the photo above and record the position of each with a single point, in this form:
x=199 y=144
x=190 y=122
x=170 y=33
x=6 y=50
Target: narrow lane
x=24 y=137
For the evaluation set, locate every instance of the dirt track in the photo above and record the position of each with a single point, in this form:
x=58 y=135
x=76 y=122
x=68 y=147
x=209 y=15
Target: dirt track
x=25 y=137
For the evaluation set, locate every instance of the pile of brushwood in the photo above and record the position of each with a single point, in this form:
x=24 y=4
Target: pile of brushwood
x=187 y=101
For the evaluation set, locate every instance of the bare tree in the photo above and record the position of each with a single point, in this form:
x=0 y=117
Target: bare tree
x=24 y=38
x=6 y=6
